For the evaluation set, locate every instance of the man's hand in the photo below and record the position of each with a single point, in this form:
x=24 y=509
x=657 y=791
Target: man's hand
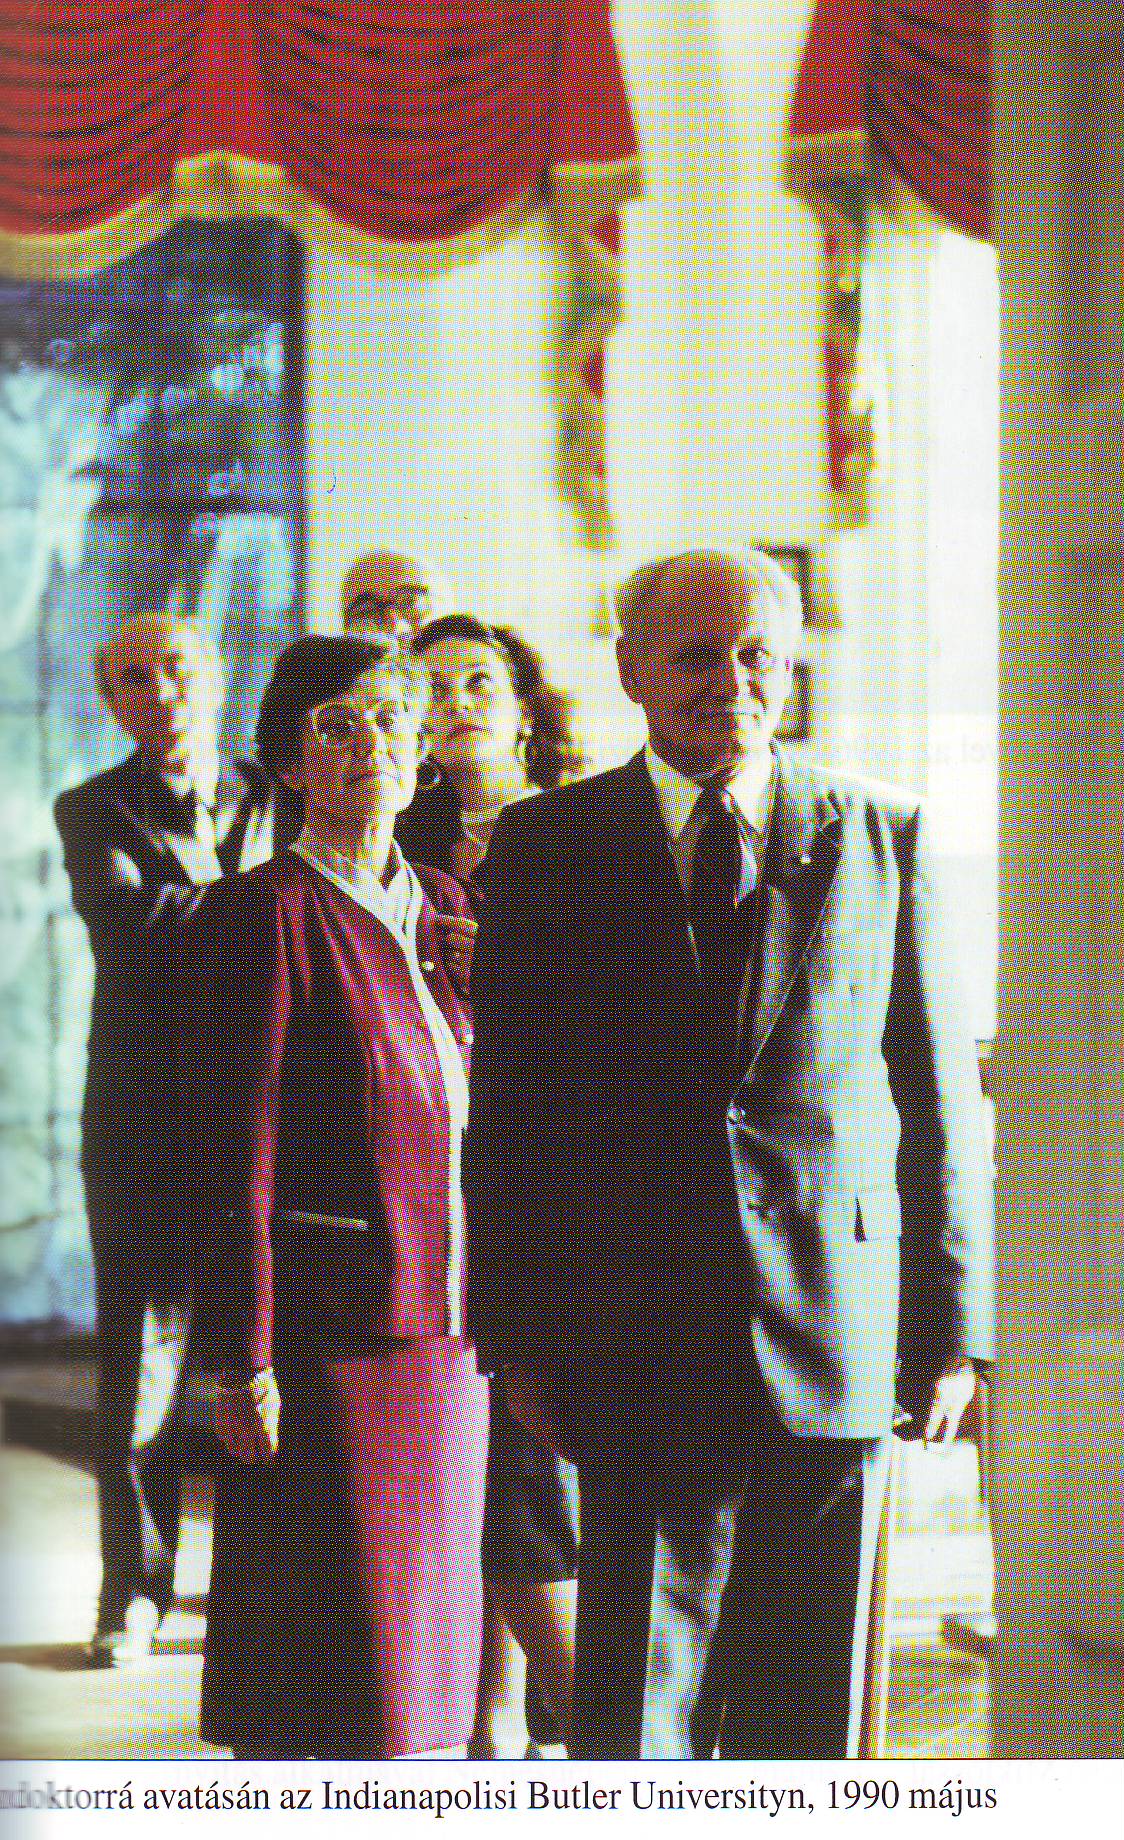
x=247 y=1417
x=952 y=1395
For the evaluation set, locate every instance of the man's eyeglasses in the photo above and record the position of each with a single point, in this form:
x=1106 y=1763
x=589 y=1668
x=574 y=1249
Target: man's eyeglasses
x=409 y=601
x=145 y=676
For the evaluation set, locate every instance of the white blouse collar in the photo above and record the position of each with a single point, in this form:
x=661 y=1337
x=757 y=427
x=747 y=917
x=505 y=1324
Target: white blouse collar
x=395 y=902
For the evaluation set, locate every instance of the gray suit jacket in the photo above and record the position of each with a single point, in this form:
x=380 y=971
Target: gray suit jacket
x=825 y=1213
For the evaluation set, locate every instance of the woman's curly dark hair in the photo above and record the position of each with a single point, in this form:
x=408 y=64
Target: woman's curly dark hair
x=553 y=754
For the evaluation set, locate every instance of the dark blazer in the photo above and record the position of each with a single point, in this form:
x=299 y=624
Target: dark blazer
x=135 y=877
x=324 y=1111
x=345 y=1602
x=827 y=1209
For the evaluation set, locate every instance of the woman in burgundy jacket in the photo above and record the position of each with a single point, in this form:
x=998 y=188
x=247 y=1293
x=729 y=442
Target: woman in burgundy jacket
x=345 y=1606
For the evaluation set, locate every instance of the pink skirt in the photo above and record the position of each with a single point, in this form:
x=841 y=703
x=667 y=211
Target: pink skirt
x=345 y=1608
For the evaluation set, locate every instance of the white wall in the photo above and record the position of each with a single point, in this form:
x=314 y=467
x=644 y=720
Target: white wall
x=908 y=691
x=715 y=396
x=430 y=414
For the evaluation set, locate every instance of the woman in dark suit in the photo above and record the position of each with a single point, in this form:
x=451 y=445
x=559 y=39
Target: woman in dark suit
x=499 y=730
x=344 y=1617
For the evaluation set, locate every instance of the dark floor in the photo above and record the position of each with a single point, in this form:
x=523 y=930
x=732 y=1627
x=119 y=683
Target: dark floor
x=52 y=1707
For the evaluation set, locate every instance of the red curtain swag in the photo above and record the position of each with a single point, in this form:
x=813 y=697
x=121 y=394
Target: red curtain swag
x=884 y=86
x=411 y=132
x=930 y=103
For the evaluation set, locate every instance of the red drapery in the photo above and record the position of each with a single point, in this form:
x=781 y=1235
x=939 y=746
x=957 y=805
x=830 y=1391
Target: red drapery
x=895 y=85
x=414 y=130
x=827 y=138
x=930 y=103
x=412 y=123
x=908 y=80
x=826 y=162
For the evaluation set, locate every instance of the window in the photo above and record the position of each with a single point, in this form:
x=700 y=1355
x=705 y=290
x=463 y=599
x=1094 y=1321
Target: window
x=150 y=451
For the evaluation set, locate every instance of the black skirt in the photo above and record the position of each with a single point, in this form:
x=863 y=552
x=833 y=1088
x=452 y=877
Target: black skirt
x=530 y=1504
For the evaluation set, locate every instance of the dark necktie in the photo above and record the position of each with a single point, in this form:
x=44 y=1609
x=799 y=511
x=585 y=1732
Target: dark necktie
x=175 y=811
x=723 y=877
x=184 y=814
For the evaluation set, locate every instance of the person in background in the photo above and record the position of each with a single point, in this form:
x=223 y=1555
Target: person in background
x=141 y=842
x=727 y=1179
x=498 y=731
x=386 y=590
x=330 y=1052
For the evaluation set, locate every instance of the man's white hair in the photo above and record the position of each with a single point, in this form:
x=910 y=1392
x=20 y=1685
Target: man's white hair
x=764 y=573
x=169 y=619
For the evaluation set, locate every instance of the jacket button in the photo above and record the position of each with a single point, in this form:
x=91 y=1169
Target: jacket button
x=427 y=964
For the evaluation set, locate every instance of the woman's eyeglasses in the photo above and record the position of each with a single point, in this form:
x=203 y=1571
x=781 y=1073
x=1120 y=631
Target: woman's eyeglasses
x=341 y=725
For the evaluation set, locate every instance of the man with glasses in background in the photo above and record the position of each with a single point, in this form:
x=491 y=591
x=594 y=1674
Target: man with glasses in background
x=390 y=592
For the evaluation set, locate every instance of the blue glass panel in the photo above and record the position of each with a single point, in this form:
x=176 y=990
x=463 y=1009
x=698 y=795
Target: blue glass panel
x=150 y=422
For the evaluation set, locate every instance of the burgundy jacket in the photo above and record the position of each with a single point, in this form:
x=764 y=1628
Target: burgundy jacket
x=322 y=1134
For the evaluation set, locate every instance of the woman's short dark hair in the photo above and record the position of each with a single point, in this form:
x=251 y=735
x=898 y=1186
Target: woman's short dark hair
x=312 y=671
x=553 y=753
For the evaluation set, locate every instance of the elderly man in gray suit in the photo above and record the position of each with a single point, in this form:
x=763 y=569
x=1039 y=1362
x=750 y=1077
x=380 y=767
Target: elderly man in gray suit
x=141 y=842
x=727 y=1180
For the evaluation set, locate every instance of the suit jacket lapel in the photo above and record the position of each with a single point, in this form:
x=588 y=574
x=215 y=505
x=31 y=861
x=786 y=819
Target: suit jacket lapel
x=142 y=795
x=245 y=823
x=800 y=866
x=143 y=792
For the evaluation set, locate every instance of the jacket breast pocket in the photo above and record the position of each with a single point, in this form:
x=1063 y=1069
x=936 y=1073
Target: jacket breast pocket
x=878 y=1216
x=302 y=1223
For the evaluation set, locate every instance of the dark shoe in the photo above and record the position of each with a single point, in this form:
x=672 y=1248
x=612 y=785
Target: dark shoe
x=541 y=1723
x=132 y=1640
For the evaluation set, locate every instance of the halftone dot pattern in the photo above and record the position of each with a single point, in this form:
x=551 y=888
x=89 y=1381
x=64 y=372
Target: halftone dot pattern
x=156 y=407
x=227 y=477
x=410 y=125
x=346 y=1599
